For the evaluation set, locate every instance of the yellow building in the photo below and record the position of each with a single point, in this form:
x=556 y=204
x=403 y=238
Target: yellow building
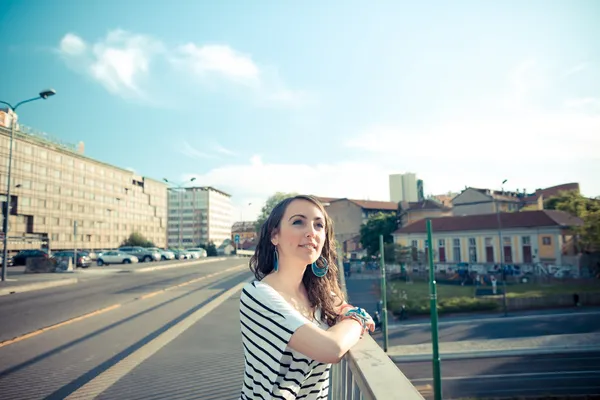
x=527 y=237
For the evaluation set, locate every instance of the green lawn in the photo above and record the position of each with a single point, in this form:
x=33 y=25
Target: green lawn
x=456 y=298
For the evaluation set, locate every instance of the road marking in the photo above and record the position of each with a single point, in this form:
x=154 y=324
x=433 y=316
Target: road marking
x=519 y=375
x=109 y=377
x=491 y=319
x=60 y=324
x=112 y=307
x=424 y=389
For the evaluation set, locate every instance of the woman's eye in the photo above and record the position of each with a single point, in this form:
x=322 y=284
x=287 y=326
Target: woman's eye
x=297 y=222
x=320 y=225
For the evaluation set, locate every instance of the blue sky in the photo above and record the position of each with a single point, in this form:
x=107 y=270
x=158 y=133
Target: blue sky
x=317 y=97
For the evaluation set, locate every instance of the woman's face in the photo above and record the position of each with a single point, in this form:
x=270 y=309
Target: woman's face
x=301 y=234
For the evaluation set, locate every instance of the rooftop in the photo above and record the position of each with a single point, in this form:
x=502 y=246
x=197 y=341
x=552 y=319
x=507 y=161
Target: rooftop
x=524 y=219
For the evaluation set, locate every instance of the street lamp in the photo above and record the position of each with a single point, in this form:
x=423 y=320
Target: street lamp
x=43 y=95
x=501 y=250
x=178 y=186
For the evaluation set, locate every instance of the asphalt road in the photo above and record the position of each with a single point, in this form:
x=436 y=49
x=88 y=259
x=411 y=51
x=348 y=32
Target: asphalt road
x=103 y=353
x=557 y=374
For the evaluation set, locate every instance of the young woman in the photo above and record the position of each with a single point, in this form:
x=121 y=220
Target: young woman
x=294 y=318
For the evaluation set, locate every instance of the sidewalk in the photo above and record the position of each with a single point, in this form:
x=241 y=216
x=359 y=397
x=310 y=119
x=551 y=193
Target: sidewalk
x=18 y=282
x=581 y=342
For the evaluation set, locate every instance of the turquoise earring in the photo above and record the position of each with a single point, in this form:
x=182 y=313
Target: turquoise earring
x=275 y=260
x=320 y=271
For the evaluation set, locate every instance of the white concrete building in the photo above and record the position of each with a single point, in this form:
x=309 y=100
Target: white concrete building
x=404 y=187
x=197 y=216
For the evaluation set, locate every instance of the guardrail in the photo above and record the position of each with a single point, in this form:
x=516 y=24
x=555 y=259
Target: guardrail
x=245 y=253
x=367 y=373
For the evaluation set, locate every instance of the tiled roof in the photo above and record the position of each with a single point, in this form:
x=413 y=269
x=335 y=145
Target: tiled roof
x=375 y=205
x=325 y=200
x=552 y=191
x=524 y=219
x=243 y=226
x=425 y=205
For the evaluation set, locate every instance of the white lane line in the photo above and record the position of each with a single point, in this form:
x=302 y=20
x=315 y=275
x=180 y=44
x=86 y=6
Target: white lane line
x=109 y=377
x=479 y=321
x=519 y=375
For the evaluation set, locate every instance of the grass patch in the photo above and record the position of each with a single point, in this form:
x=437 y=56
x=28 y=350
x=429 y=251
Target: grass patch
x=457 y=299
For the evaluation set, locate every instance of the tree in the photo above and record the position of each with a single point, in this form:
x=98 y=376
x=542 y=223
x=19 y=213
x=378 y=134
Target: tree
x=378 y=224
x=585 y=208
x=269 y=206
x=137 y=239
x=211 y=250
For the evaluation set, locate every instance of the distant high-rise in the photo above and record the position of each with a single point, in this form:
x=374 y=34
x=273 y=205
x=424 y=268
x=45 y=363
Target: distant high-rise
x=404 y=187
x=420 y=190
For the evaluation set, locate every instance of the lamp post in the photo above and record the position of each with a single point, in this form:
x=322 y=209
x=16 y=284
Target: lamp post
x=501 y=250
x=179 y=187
x=43 y=95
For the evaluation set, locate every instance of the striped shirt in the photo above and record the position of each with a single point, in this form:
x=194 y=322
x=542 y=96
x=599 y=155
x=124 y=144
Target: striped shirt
x=272 y=369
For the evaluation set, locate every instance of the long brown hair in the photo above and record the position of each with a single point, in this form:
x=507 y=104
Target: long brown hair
x=320 y=290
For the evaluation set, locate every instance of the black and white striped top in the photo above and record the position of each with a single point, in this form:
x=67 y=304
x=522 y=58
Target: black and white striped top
x=272 y=369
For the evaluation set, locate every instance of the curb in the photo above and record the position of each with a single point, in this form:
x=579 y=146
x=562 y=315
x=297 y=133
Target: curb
x=169 y=266
x=495 y=353
x=37 y=286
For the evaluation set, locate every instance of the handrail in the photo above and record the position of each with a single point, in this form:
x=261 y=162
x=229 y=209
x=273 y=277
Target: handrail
x=367 y=373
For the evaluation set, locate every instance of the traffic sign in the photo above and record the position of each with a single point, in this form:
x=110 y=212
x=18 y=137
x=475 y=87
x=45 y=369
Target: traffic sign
x=237 y=238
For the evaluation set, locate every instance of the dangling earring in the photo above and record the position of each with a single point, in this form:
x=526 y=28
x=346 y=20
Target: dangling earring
x=275 y=260
x=320 y=271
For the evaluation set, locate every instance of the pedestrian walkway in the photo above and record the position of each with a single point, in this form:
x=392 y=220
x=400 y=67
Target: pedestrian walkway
x=204 y=362
x=547 y=344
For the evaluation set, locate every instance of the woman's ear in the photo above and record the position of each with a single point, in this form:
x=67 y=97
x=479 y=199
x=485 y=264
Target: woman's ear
x=275 y=238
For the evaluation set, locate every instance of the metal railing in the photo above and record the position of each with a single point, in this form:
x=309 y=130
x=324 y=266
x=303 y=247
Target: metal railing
x=367 y=373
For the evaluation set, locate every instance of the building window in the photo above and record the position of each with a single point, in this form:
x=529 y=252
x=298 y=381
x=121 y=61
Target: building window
x=472 y=250
x=27 y=167
x=442 y=250
x=489 y=250
x=507 y=250
x=546 y=240
x=414 y=243
x=526 y=243
x=43 y=154
x=456 y=249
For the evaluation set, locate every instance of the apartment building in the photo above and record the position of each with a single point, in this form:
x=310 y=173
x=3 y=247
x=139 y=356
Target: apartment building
x=54 y=186
x=405 y=187
x=198 y=215
x=528 y=237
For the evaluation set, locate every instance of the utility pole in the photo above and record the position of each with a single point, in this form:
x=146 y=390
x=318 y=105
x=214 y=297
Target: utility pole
x=501 y=250
x=437 y=374
x=384 y=318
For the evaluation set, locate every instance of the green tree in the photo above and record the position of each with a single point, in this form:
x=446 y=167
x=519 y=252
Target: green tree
x=585 y=208
x=378 y=224
x=211 y=249
x=268 y=207
x=137 y=239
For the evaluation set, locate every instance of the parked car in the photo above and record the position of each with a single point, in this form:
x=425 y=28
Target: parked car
x=21 y=257
x=179 y=254
x=143 y=254
x=198 y=250
x=164 y=254
x=116 y=257
x=83 y=259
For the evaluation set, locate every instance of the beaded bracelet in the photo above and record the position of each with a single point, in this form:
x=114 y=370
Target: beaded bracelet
x=359 y=315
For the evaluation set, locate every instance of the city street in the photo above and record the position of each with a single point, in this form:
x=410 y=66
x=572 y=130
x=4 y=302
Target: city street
x=566 y=374
x=109 y=323
x=527 y=375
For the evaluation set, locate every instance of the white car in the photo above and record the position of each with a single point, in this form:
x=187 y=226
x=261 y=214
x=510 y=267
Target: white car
x=116 y=257
x=199 y=251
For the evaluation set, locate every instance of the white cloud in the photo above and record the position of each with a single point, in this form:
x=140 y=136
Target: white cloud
x=515 y=136
x=119 y=61
x=576 y=69
x=222 y=150
x=589 y=103
x=188 y=150
x=122 y=61
x=220 y=60
x=72 y=44
x=256 y=180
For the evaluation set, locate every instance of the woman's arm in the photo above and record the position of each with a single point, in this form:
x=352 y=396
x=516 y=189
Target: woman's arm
x=326 y=346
